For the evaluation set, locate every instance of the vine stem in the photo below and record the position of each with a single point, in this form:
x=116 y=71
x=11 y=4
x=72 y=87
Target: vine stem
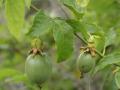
x=100 y=54
x=87 y=43
x=80 y=38
x=35 y=8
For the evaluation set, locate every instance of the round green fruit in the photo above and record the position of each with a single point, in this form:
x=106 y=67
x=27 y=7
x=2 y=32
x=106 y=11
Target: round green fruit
x=85 y=62
x=38 y=68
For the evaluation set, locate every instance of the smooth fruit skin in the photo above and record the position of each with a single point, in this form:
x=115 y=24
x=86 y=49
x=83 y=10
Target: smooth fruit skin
x=85 y=62
x=38 y=68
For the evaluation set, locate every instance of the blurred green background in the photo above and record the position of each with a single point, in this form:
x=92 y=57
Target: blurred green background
x=105 y=13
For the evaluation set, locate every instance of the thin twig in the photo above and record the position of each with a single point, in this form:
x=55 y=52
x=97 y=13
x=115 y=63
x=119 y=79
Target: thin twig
x=87 y=43
x=35 y=8
x=80 y=38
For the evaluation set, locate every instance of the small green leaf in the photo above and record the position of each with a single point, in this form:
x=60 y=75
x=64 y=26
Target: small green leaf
x=42 y=24
x=117 y=78
x=63 y=36
x=4 y=73
x=82 y=3
x=28 y=3
x=108 y=60
x=78 y=27
x=99 y=40
x=15 y=10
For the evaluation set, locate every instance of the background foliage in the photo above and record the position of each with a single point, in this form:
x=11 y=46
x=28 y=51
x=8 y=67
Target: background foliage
x=55 y=22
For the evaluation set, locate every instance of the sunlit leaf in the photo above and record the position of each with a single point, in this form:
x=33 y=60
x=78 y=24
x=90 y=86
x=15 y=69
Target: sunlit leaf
x=7 y=73
x=15 y=10
x=28 y=3
x=18 y=78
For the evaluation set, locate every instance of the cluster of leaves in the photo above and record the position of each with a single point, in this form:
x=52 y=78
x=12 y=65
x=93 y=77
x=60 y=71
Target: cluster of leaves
x=64 y=29
x=86 y=17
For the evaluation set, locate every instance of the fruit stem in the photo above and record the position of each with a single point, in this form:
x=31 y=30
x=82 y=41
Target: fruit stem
x=87 y=43
x=100 y=54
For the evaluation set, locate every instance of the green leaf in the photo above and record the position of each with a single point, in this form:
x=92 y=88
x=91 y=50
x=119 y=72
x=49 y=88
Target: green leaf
x=63 y=36
x=78 y=27
x=4 y=73
x=110 y=37
x=108 y=60
x=82 y=3
x=28 y=3
x=73 y=7
x=78 y=4
x=77 y=14
x=1 y=2
x=18 y=78
x=117 y=78
x=42 y=24
x=99 y=40
x=15 y=10
x=68 y=2
x=96 y=5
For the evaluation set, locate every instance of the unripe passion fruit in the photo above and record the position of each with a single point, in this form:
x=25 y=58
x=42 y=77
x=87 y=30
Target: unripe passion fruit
x=38 y=68
x=85 y=62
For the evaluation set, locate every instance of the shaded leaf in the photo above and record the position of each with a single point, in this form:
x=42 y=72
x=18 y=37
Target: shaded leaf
x=42 y=24
x=75 y=6
x=77 y=14
x=110 y=37
x=78 y=27
x=63 y=36
x=108 y=60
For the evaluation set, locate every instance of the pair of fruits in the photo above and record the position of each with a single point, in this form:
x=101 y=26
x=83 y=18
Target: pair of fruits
x=38 y=67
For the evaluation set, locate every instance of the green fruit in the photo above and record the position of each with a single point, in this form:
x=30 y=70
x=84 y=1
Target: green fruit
x=85 y=62
x=38 y=68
